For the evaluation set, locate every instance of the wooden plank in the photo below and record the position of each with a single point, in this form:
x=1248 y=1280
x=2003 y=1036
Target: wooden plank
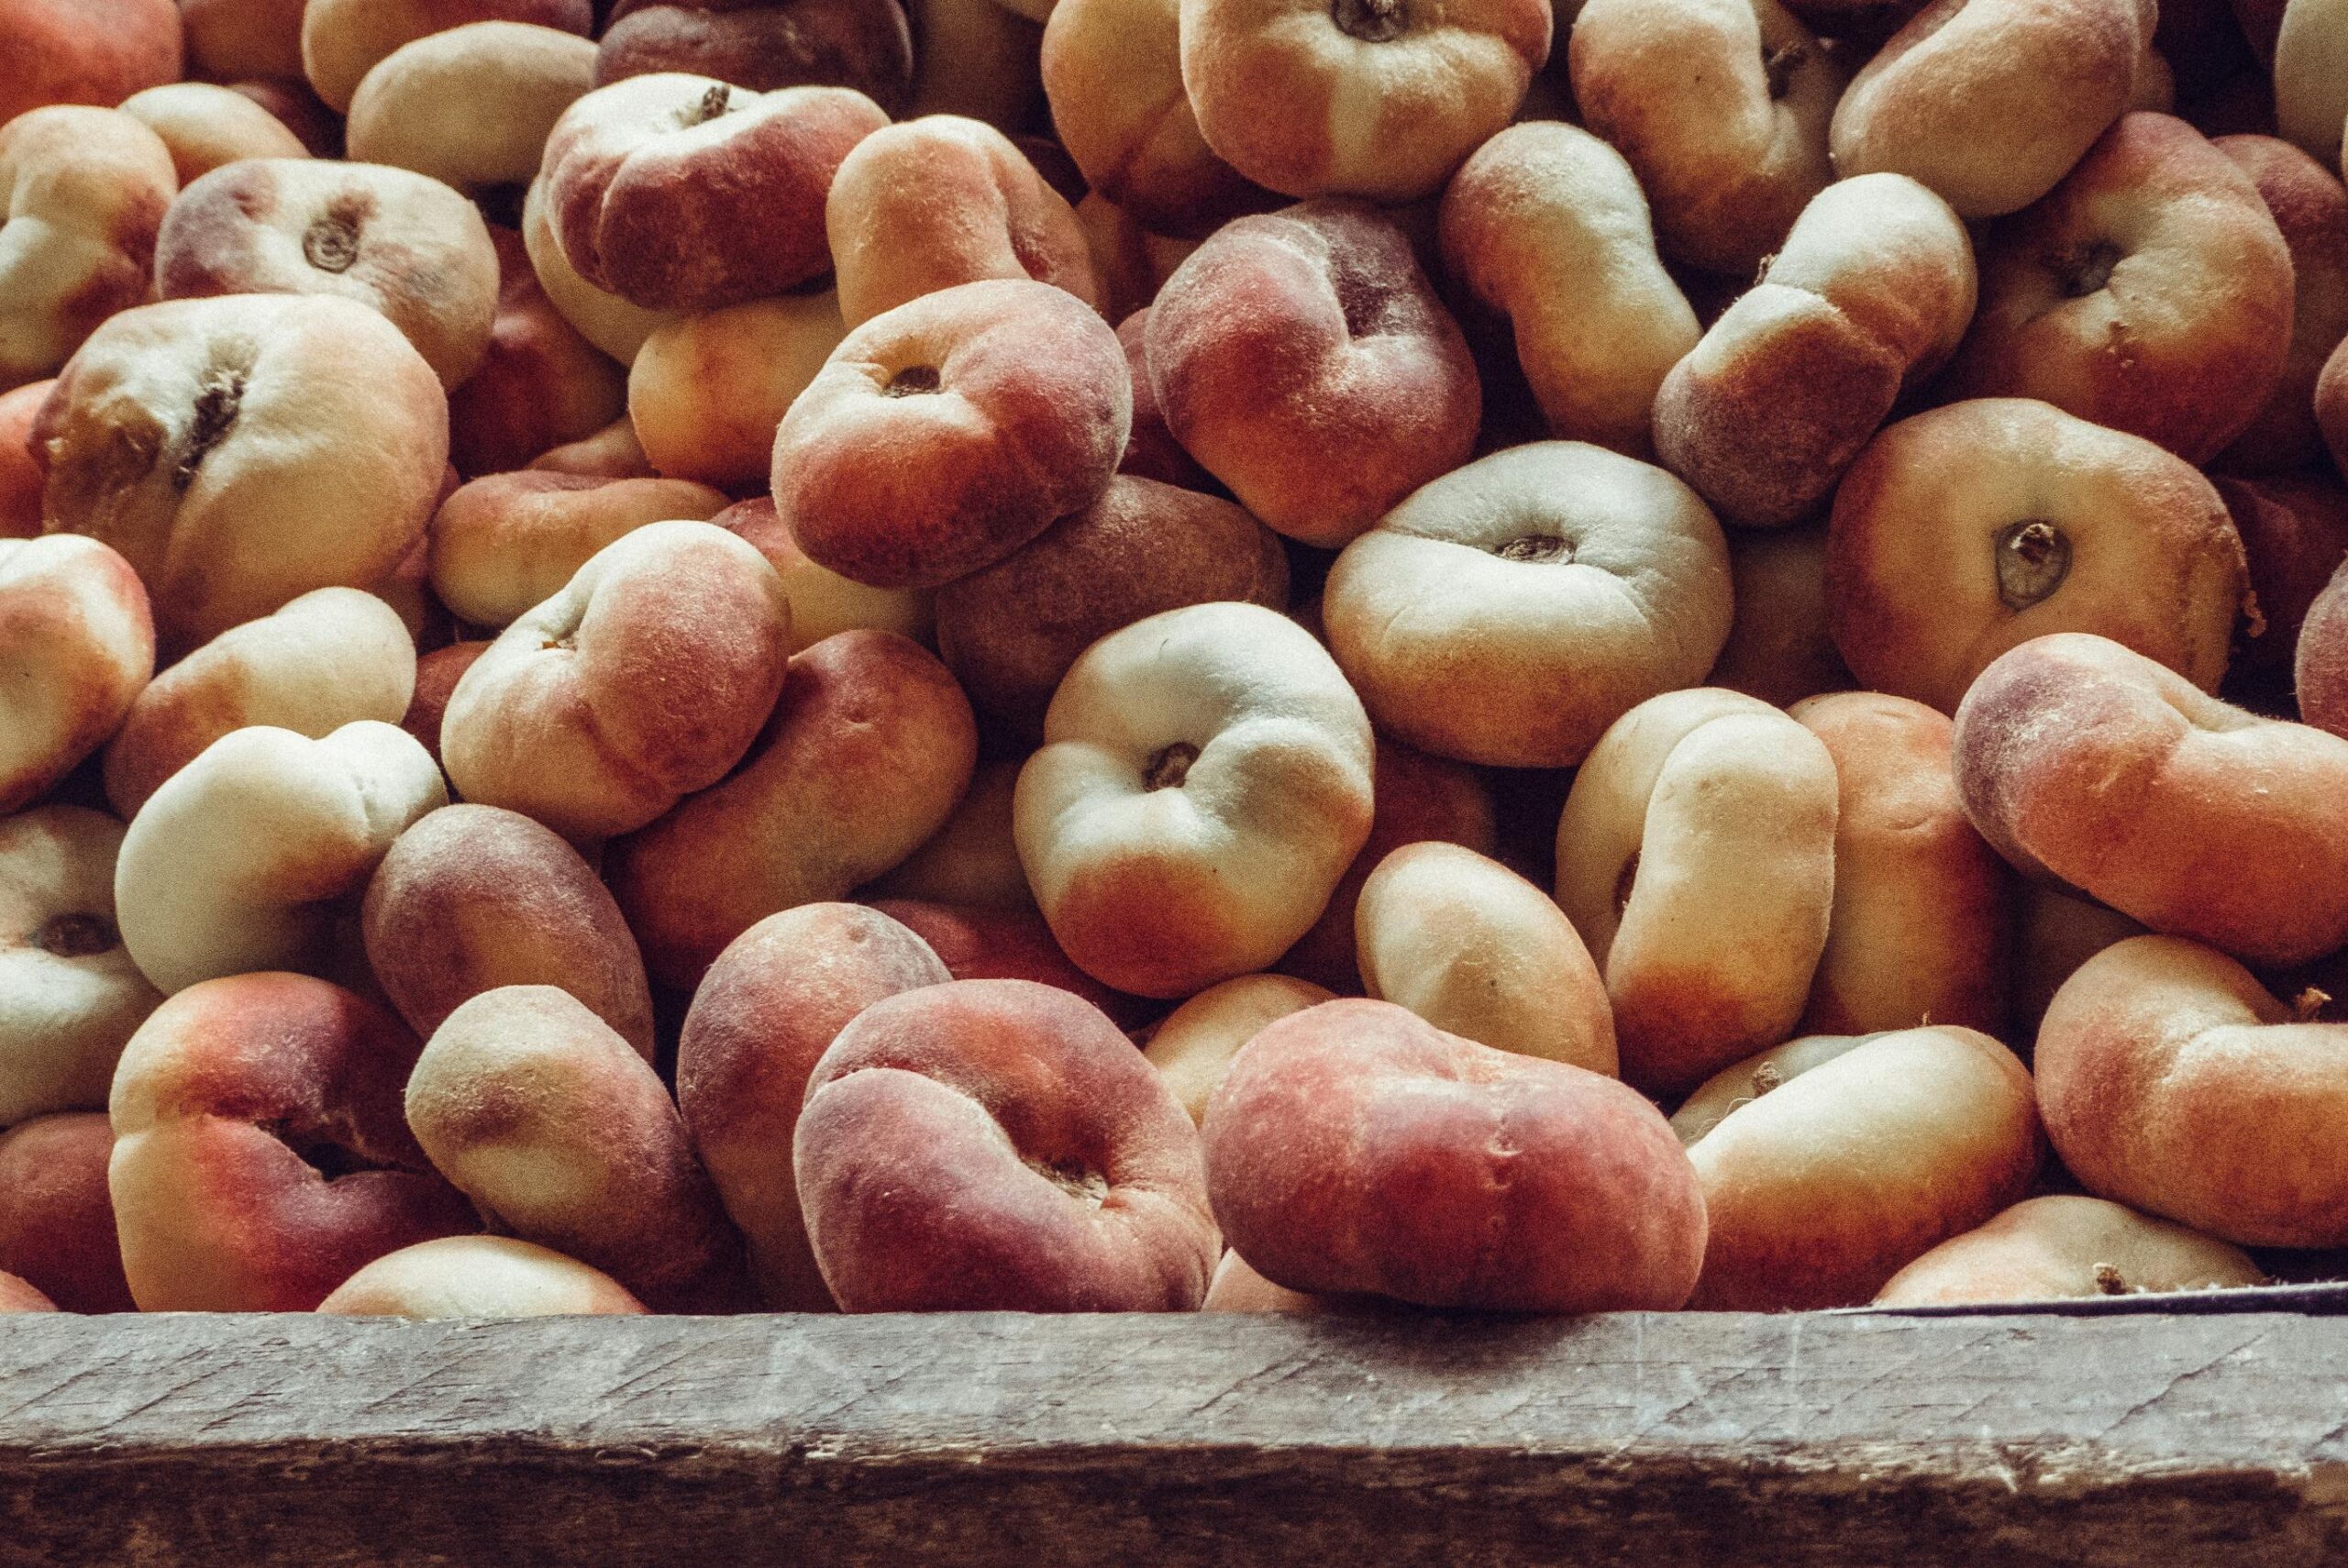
x=1163 y=1442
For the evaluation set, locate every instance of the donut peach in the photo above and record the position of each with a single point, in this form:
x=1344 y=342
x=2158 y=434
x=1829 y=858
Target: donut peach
x=999 y=1145
x=507 y=543
x=540 y=384
x=1696 y=857
x=1303 y=359
x=85 y=52
x=613 y=325
x=562 y=1134
x=57 y=1228
x=2294 y=531
x=2312 y=76
x=822 y=603
x=972 y=860
x=479 y=1277
x=1866 y=300
x=1779 y=648
x=231 y=41
x=1204 y=781
x=22 y=1295
x=207 y=125
x=2044 y=1249
x=470 y=106
x=1355 y=1148
x=2173 y=1082
x=765 y=1013
x=1963 y=532
x=2105 y=300
x=471 y=899
x=573 y=716
x=82 y=192
x=945 y=434
x=1237 y=1287
x=1837 y=1174
x=2097 y=766
x=342 y=40
x=2310 y=208
x=1509 y=611
x=79 y=646
x=260 y=1155
x=1547 y=225
x=862 y=44
x=244 y=450
x=1194 y=1046
x=706 y=392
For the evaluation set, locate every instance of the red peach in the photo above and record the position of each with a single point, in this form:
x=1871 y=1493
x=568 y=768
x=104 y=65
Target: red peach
x=979 y=942
x=57 y=1231
x=2310 y=208
x=21 y=475
x=2294 y=531
x=862 y=44
x=437 y=674
x=85 y=52
x=540 y=384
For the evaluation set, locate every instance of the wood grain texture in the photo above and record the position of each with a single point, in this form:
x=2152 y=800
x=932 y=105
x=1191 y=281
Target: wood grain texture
x=1098 y=1443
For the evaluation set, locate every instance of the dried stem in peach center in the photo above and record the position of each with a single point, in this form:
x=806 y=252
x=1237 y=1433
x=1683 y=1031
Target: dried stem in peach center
x=913 y=381
x=1536 y=547
x=1372 y=21
x=1086 y=1186
x=2087 y=269
x=2109 y=1281
x=78 y=936
x=331 y=244
x=217 y=402
x=1170 y=767
x=1766 y=1077
x=715 y=103
x=2033 y=556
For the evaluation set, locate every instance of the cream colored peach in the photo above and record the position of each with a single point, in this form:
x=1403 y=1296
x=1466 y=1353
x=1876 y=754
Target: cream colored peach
x=242 y=451
x=707 y=392
x=57 y=1229
x=479 y=1277
x=17 y=1295
x=69 y=995
x=1204 y=781
x=1193 y=1046
x=2045 y=1249
x=1866 y=300
x=1478 y=951
x=562 y=1134
x=973 y=859
x=82 y=192
x=612 y=324
x=470 y=106
x=507 y=543
x=240 y=860
x=1839 y=1173
x=332 y=657
x=1696 y=857
x=1741 y=1083
x=1961 y=533
x=1779 y=648
x=540 y=384
x=2312 y=209
x=471 y=899
x=1547 y=225
x=342 y=40
x=79 y=646
x=1509 y=611
x=822 y=603
x=1237 y=1287
x=1922 y=923
x=2311 y=77
x=207 y=125
x=573 y=716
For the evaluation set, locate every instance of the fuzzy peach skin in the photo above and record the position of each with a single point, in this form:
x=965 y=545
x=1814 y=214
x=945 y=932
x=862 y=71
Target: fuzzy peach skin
x=509 y=542
x=207 y=125
x=1355 y=1148
x=1478 y=951
x=471 y=899
x=1721 y=107
x=1966 y=531
x=2150 y=292
x=242 y=451
x=2095 y=767
x=573 y=716
x=975 y=58
x=2331 y=406
x=1204 y=782
x=1696 y=857
x=862 y=44
x=1303 y=359
x=999 y=1145
x=69 y=995
x=342 y=40
x=2311 y=77
x=707 y=392
x=1192 y=1046
x=1371 y=98
x=231 y=41
x=1837 y=1173
x=765 y=1013
x=1415 y=798
x=21 y=1296
x=1151 y=452
x=1132 y=262
x=823 y=602
x=1779 y=648
x=22 y=479
x=437 y=674
x=1865 y=301
x=242 y=859
x=868 y=748
x=2173 y=1082
x=1237 y=1287
x=397 y=242
x=2310 y=208
x=939 y=201
x=1922 y=917
x=683 y=193
x=85 y=52
x=260 y=1157
x=562 y=1134
x=487 y=1277
x=2045 y=1249
x=470 y=106
x=613 y=325
x=1509 y=611
x=540 y=384
x=945 y=434
x=318 y=127
x=2319 y=667
x=1991 y=101
x=77 y=646
x=1010 y=631
x=1112 y=72
x=980 y=942
x=2294 y=531
x=82 y=194
x=1545 y=224
x=972 y=860
x=329 y=658
x=57 y=1229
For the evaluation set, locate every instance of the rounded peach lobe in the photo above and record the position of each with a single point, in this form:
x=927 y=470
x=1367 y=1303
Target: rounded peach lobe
x=472 y=105
x=57 y=1224
x=1355 y=1148
x=2310 y=207
x=79 y=644
x=342 y=40
x=862 y=44
x=540 y=386
x=492 y=1278
x=999 y=1145
x=2045 y=1249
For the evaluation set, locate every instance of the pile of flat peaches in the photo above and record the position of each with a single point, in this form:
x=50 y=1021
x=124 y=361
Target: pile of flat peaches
x=1156 y=655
